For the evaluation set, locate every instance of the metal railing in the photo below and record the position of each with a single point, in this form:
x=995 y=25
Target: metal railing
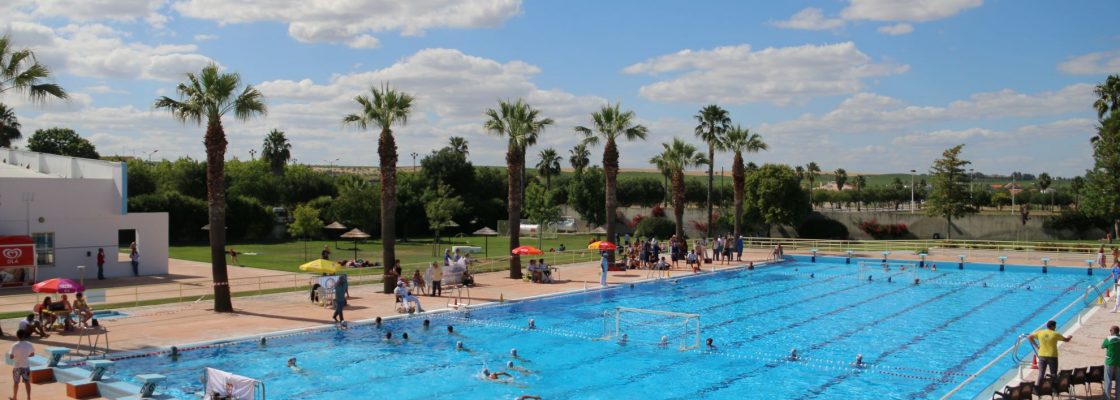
x=1083 y=300
x=1023 y=249
x=196 y=290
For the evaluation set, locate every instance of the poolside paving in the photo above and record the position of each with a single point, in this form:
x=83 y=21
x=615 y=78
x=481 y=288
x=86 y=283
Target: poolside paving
x=154 y=327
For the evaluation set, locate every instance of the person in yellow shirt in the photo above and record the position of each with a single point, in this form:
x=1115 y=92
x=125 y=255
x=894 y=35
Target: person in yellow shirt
x=1046 y=341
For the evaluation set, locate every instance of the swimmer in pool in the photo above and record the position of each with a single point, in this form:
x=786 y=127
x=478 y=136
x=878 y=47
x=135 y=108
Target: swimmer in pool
x=710 y=344
x=664 y=341
x=622 y=340
x=858 y=363
x=451 y=331
x=529 y=397
x=427 y=324
x=459 y=347
x=512 y=367
x=388 y=336
x=494 y=376
x=532 y=324
x=404 y=336
x=793 y=355
x=514 y=355
x=292 y=365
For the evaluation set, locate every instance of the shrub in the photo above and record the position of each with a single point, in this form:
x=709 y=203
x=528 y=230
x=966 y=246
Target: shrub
x=185 y=215
x=883 y=231
x=656 y=227
x=633 y=223
x=657 y=211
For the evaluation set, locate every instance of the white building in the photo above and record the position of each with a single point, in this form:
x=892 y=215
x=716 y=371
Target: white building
x=71 y=207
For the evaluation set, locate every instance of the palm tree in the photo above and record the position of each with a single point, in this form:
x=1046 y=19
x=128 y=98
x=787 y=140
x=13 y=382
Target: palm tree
x=580 y=157
x=800 y=171
x=383 y=108
x=712 y=121
x=811 y=172
x=740 y=140
x=675 y=157
x=520 y=124
x=841 y=178
x=209 y=95
x=9 y=126
x=20 y=71
x=860 y=182
x=665 y=174
x=549 y=166
x=610 y=124
x=277 y=151
x=459 y=145
x=1108 y=96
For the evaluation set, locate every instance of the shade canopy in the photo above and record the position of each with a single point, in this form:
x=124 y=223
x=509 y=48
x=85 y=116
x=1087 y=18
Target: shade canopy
x=526 y=251
x=355 y=234
x=599 y=231
x=320 y=266
x=58 y=285
x=449 y=224
x=486 y=231
x=336 y=226
x=602 y=245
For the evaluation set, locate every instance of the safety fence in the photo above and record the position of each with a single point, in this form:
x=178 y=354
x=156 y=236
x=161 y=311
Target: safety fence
x=1014 y=250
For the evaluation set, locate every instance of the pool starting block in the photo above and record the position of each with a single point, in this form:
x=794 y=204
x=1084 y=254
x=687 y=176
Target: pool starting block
x=150 y=381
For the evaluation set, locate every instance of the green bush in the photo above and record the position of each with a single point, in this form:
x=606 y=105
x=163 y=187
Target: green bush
x=657 y=227
x=247 y=219
x=185 y=215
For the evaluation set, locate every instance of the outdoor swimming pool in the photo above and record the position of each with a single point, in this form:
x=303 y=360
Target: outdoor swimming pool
x=919 y=340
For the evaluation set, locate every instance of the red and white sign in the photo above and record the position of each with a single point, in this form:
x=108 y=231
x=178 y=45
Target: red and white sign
x=16 y=251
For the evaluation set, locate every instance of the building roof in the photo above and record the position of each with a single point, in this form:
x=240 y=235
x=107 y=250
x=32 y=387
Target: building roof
x=12 y=171
x=28 y=164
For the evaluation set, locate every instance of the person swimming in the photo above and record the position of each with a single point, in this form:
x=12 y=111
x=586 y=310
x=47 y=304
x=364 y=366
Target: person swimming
x=664 y=341
x=389 y=335
x=427 y=324
x=812 y=275
x=451 y=331
x=858 y=363
x=459 y=347
x=890 y=280
x=513 y=353
x=532 y=324
x=377 y=322
x=710 y=344
x=264 y=341
x=486 y=374
x=622 y=340
x=292 y=365
x=404 y=336
x=793 y=355
x=524 y=371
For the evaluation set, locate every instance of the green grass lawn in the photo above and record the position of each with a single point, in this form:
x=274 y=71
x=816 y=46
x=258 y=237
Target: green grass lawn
x=287 y=256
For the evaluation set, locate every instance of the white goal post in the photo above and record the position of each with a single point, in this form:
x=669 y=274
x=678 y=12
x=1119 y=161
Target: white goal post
x=652 y=327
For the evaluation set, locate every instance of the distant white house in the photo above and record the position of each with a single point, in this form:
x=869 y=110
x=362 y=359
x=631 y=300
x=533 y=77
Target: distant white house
x=70 y=207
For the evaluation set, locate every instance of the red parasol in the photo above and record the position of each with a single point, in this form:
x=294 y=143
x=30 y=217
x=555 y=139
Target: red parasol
x=57 y=285
x=526 y=251
x=603 y=246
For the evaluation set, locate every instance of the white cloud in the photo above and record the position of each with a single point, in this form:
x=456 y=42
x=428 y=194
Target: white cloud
x=97 y=10
x=1101 y=62
x=97 y=50
x=906 y=10
x=204 y=37
x=897 y=29
x=776 y=75
x=353 y=21
x=812 y=19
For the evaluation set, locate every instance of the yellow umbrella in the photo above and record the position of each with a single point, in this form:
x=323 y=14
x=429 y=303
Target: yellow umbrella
x=320 y=266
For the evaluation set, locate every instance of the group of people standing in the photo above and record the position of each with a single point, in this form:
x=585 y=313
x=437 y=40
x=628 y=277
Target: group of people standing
x=647 y=253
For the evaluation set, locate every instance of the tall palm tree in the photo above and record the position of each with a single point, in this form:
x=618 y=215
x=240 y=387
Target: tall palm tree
x=20 y=71
x=549 y=166
x=580 y=157
x=841 y=178
x=277 y=151
x=800 y=172
x=811 y=172
x=860 y=182
x=676 y=157
x=712 y=122
x=459 y=145
x=209 y=95
x=740 y=140
x=383 y=108
x=520 y=124
x=1108 y=96
x=662 y=167
x=9 y=126
x=610 y=124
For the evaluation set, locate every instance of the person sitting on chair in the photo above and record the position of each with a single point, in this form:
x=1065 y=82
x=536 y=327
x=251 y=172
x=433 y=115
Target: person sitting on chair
x=546 y=272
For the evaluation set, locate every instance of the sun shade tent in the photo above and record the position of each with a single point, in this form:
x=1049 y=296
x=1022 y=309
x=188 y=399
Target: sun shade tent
x=357 y=235
x=58 y=285
x=486 y=232
x=602 y=246
x=526 y=251
x=336 y=226
x=320 y=266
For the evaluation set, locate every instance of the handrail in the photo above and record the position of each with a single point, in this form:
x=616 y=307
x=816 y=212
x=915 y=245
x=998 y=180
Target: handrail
x=985 y=368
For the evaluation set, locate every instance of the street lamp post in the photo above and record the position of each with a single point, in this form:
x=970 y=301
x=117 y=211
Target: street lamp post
x=1014 y=175
x=150 y=154
x=912 y=190
x=970 y=178
x=253 y=154
x=414 y=155
x=331 y=163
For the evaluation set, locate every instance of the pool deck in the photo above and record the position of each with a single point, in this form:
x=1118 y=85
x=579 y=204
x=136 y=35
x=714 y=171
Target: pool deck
x=154 y=327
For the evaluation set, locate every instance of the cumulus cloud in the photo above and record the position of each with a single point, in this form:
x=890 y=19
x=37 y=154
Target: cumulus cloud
x=97 y=50
x=812 y=19
x=1101 y=62
x=353 y=22
x=205 y=37
x=906 y=10
x=96 y=10
x=781 y=76
x=897 y=29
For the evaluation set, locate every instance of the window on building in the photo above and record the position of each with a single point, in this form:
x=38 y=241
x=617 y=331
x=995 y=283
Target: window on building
x=44 y=247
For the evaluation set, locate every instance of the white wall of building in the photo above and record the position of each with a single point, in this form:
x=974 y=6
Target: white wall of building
x=80 y=201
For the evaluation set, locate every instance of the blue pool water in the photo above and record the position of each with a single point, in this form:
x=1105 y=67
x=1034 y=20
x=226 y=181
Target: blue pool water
x=919 y=340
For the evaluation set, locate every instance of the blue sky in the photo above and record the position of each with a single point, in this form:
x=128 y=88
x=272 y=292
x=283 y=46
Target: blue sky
x=867 y=85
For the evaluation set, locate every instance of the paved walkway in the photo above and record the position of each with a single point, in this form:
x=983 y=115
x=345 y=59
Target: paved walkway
x=191 y=322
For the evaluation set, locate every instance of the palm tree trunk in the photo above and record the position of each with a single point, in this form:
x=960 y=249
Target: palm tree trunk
x=678 y=201
x=387 y=152
x=949 y=227
x=515 y=159
x=216 y=200
x=610 y=167
x=711 y=177
x=738 y=174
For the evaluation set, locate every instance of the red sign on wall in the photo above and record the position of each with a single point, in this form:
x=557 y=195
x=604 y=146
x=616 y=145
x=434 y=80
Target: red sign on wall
x=16 y=251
